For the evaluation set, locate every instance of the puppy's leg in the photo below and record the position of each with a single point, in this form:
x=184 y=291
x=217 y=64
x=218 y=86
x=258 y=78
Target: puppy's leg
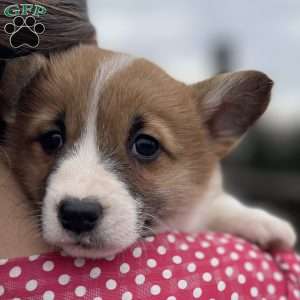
x=229 y=215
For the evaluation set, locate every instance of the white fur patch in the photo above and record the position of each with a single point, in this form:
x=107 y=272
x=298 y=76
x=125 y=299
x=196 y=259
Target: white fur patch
x=220 y=211
x=84 y=173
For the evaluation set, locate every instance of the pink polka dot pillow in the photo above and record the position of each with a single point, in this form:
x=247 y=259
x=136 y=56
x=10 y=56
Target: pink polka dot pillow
x=170 y=266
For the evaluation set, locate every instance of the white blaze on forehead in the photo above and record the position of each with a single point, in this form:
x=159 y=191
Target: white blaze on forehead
x=84 y=173
x=106 y=70
x=86 y=150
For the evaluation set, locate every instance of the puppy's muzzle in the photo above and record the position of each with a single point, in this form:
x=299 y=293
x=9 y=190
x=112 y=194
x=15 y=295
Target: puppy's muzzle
x=79 y=215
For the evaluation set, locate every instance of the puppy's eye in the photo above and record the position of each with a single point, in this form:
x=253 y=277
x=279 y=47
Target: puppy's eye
x=145 y=147
x=51 y=141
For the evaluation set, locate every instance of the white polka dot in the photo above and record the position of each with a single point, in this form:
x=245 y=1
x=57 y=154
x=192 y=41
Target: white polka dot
x=229 y=271
x=150 y=238
x=161 y=250
x=177 y=259
x=124 y=268
x=199 y=255
x=31 y=285
x=48 y=266
x=111 y=284
x=248 y=266
x=197 y=292
x=207 y=277
x=2 y=290
x=223 y=240
x=254 y=292
x=64 y=279
x=209 y=236
x=268 y=256
x=221 y=250
x=151 y=263
x=234 y=296
x=95 y=272
x=137 y=252
x=167 y=274
x=182 y=284
x=297 y=293
x=171 y=238
x=172 y=298
x=265 y=265
x=190 y=239
x=296 y=267
x=205 y=244
x=97 y=298
x=282 y=298
x=260 y=276
x=191 y=267
x=15 y=272
x=3 y=261
x=214 y=262
x=221 y=286
x=33 y=257
x=234 y=256
x=241 y=279
x=127 y=296
x=79 y=262
x=252 y=254
x=278 y=276
x=184 y=247
x=284 y=266
x=139 y=279
x=48 y=295
x=239 y=247
x=155 y=290
x=80 y=291
x=271 y=289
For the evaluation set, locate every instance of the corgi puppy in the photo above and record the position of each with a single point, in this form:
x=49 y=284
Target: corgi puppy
x=109 y=148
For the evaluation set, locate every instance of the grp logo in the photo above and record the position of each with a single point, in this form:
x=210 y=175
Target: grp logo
x=24 y=29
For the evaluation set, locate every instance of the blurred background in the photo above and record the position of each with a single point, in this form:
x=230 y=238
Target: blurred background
x=193 y=40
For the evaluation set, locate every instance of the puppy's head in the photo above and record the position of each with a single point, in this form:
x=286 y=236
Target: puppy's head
x=110 y=148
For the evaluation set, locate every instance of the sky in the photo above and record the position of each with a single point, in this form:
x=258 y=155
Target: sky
x=180 y=37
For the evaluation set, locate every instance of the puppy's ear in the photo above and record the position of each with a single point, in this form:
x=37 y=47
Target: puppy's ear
x=230 y=103
x=16 y=75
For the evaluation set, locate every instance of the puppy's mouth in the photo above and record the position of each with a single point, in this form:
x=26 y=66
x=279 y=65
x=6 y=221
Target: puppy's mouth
x=84 y=245
x=82 y=248
x=87 y=245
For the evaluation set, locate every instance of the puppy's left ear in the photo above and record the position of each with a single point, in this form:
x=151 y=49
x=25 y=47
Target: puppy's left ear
x=230 y=103
x=17 y=74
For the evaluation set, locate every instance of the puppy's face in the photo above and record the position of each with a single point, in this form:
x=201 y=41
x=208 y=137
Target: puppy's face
x=110 y=148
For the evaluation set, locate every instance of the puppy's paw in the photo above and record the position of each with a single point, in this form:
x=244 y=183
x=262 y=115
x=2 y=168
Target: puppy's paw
x=268 y=231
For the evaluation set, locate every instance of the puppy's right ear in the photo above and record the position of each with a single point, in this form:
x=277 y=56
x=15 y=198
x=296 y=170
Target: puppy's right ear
x=230 y=103
x=16 y=75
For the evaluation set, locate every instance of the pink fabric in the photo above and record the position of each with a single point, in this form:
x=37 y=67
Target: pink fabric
x=170 y=266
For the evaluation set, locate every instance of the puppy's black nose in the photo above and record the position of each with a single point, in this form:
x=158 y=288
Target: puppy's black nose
x=79 y=215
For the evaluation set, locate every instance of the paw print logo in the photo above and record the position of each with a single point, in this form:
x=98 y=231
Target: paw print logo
x=24 y=32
